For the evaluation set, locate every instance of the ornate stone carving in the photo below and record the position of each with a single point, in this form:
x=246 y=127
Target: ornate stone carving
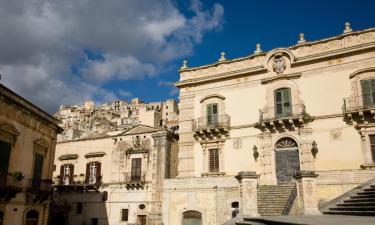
x=279 y=63
x=137 y=143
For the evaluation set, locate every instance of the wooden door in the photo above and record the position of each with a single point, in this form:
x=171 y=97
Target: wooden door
x=142 y=219
x=287 y=164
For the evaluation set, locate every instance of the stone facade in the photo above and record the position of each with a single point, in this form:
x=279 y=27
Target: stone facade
x=27 y=148
x=114 y=179
x=87 y=120
x=275 y=113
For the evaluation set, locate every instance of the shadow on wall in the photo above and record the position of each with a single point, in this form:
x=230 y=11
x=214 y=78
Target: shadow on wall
x=87 y=208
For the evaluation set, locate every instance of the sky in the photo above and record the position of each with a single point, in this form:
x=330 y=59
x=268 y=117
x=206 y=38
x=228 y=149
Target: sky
x=56 y=52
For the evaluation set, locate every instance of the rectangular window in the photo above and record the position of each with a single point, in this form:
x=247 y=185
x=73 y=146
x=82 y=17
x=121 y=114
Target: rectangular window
x=5 y=149
x=124 y=214
x=38 y=168
x=368 y=92
x=283 y=103
x=136 y=169
x=372 y=145
x=213 y=160
x=212 y=114
x=79 y=207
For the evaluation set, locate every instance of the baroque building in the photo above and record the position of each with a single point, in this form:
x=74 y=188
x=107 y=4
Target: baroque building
x=114 y=178
x=27 y=147
x=81 y=121
x=297 y=121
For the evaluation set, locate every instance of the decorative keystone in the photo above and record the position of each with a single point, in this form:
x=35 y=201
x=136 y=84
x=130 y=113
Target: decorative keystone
x=257 y=48
x=222 y=57
x=301 y=38
x=347 y=28
x=184 y=64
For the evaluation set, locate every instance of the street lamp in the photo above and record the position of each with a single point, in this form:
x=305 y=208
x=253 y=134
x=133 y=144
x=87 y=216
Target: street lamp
x=255 y=152
x=314 y=149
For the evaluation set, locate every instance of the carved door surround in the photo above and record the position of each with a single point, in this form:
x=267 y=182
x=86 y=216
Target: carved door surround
x=267 y=158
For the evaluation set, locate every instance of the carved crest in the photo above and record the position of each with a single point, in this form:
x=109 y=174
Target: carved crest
x=137 y=143
x=279 y=63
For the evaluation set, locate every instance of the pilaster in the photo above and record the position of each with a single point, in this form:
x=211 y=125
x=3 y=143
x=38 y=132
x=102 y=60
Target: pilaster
x=306 y=192
x=248 y=193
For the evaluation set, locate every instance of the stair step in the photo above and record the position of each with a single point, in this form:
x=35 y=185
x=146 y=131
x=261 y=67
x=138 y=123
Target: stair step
x=367 y=193
x=353 y=213
x=359 y=200
x=362 y=196
x=357 y=204
x=354 y=208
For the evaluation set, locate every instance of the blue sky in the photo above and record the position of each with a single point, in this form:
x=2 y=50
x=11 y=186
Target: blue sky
x=271 y=23
x=66 y=52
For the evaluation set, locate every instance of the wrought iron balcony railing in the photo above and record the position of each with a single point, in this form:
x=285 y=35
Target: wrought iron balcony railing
x=135 y=178
x=358 y=103
x=212 y=122
x=77 y=181
x=36 y=184
x=9 y=180
x=275 y=113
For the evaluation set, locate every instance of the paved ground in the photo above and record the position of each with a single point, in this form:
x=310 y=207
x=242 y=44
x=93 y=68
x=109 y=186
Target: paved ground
x=319 y=220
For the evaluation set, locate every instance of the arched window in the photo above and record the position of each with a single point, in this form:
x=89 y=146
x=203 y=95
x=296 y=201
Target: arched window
x=32 y=217
x=285 y=143
x=283 y=102
x=191 y=217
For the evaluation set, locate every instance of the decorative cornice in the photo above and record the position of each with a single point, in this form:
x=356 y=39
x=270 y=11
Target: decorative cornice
x=281 y=77
x=212 y=96
x=68 y=157
x=9 y=128
x=94 y=154
x=369 y=69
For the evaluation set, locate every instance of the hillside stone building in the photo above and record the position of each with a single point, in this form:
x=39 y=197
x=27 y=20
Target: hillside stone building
x=301 y=115
x=27 y=147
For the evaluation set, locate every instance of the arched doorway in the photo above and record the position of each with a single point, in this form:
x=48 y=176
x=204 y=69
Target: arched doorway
x=287 y=160
x=191 y=217
x=32 y=217
x=1 y=217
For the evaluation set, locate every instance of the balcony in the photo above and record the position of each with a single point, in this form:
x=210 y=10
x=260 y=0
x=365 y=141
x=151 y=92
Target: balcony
x=77 y=183
x=135 y=181
x=10 y=185
x=285 y=118
x=39 y=190
x=211 y=128
x=359 y=109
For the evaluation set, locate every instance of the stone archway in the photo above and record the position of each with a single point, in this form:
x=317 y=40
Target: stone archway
x=32 y=217
x=191 y=217
x=286 y=159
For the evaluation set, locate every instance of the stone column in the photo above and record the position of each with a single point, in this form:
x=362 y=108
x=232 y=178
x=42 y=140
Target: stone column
x=248 y=193
x=306 y=192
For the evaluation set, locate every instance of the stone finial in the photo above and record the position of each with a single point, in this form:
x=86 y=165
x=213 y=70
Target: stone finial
x=301 y=38
x=222 y=56
x=184 y=64
x=257 y=48
x=347 y=28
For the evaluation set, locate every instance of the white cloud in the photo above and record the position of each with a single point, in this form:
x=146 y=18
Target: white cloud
x=41 y=39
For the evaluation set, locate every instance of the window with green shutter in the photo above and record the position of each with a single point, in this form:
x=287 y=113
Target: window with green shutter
x=212 y=114
x=5 y=149
x=368 y=92
x=283 y=102
x=38 y=168
x=213 y=160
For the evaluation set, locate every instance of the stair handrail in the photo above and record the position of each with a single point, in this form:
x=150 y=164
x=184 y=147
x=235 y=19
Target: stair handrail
x=289 y=205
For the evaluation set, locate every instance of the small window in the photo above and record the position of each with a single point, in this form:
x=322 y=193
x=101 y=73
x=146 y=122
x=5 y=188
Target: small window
x=213 y=161
x=124 y=214
x=94 y=221
x=79 y=208
x=54 y=167
x=372 y=145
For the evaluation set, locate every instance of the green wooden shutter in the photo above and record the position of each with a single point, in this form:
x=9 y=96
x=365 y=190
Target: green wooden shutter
x=5 y=149
x=212 y=114
x=283 y=102
x=38 y=168
x=366 y=92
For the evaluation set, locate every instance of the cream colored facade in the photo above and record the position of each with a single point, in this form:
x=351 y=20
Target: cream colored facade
x=114 y=179
x=285 y=99
x=27 y=148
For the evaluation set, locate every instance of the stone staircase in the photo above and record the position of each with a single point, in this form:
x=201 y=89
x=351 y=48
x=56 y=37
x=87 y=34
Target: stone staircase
x=359 y=202
x=272 y=199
